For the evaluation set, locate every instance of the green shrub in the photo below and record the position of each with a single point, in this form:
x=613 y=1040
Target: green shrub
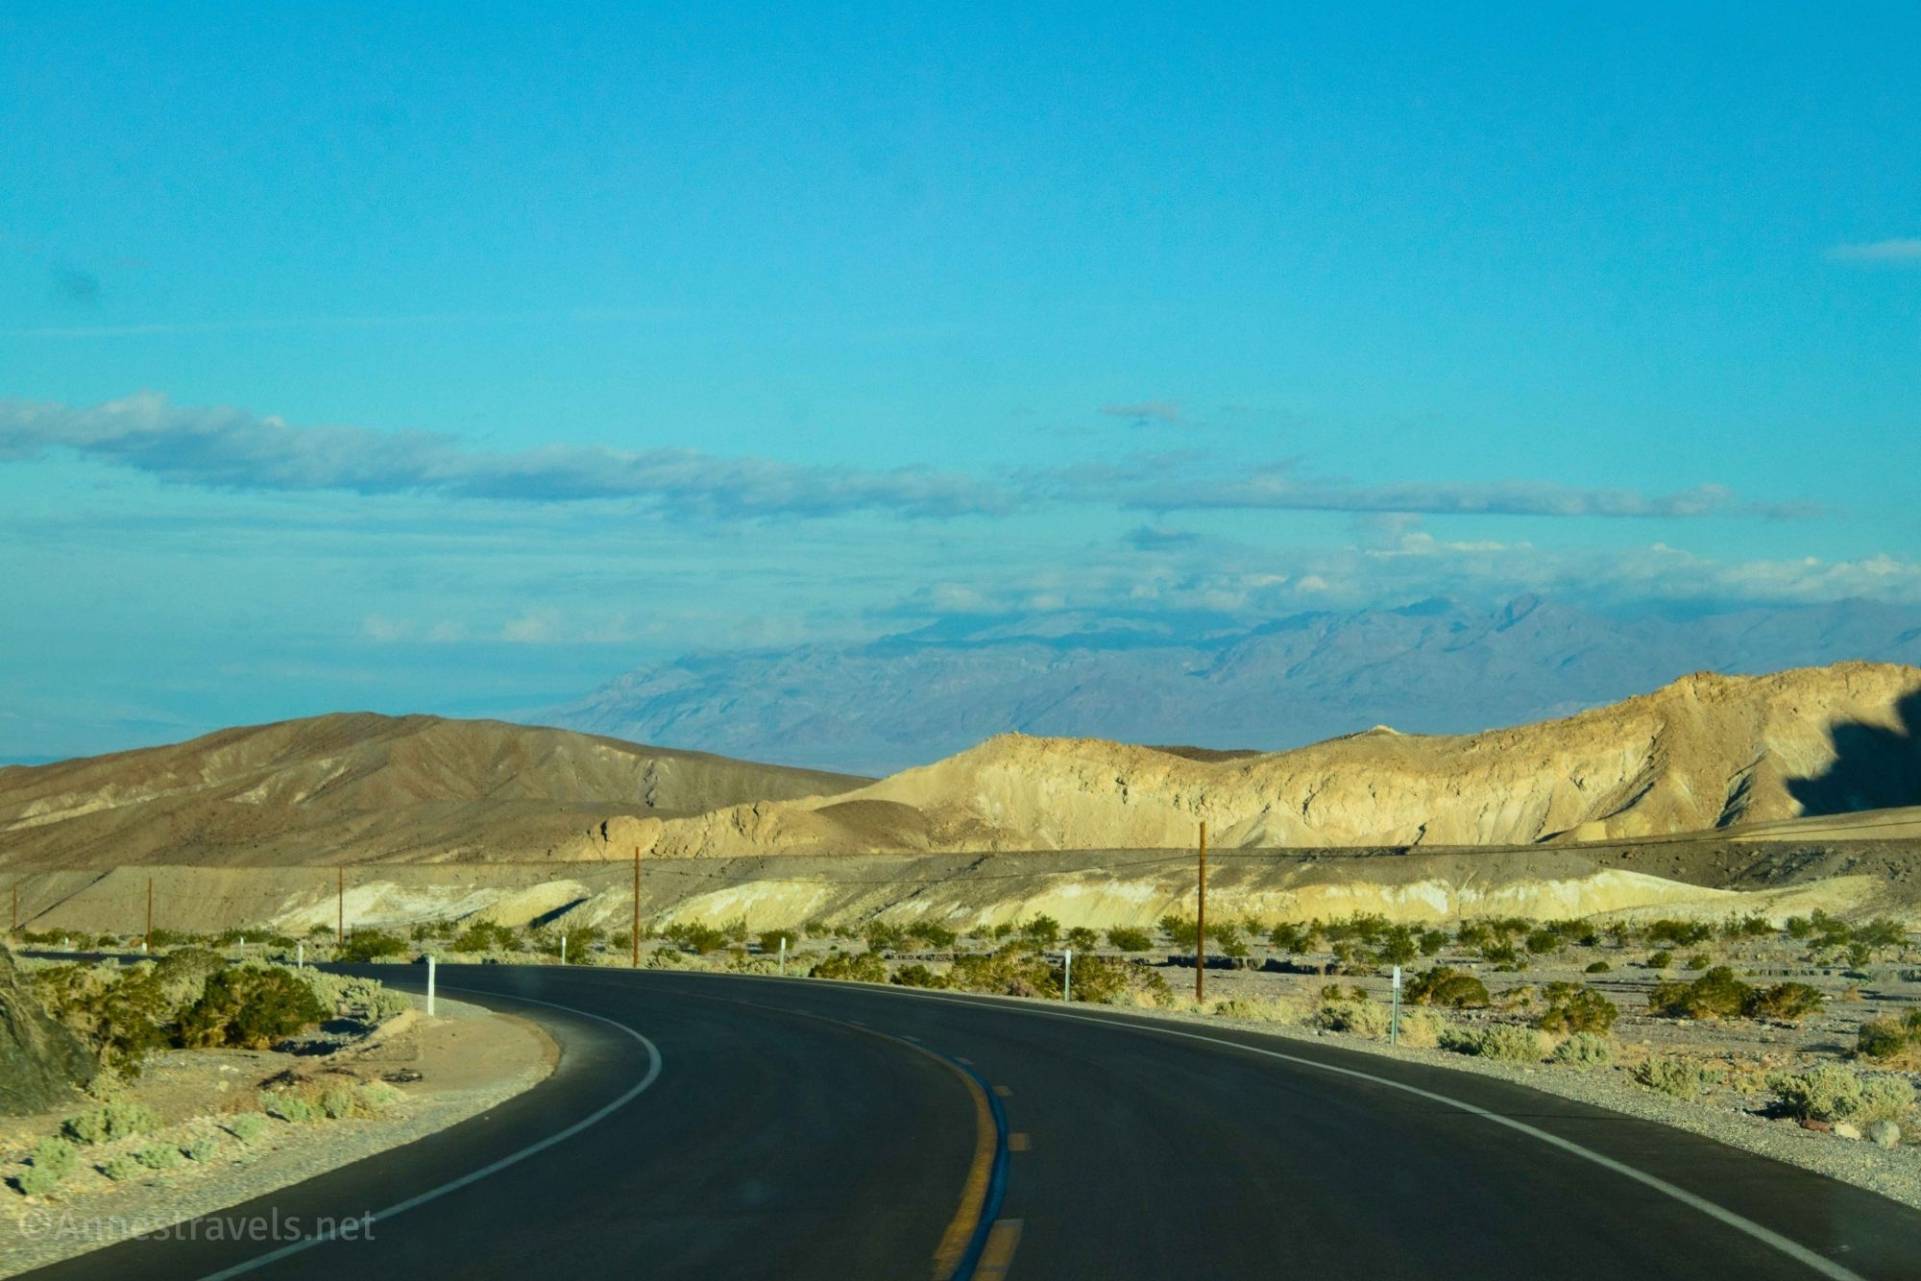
x=700 y=939
x=864 y=967
x=770 y=941
x=204 y=1149
x=1699 y=961
x=122 y=1015
x=370 y=945
x=375 y=1097
x=1679 y=933
x=1583 y=1050
x=287 y=1105
x=1124 y=938
x=1287 y=938
x=116 y=1119
x=1258 y=1010
x=1180 y=931
x=1784 y=1002
x=52 y=1160
x=1397 y=947
x=1573 y=1008
x=1105 y=981
x=1502 y=956
x=1447 y=987
x=1043 y=930
x=1893 y=1041
x=1678 y=1077
x=1422 y=1029
x=1014 y=970
x=246 y=1126
x=1746 y=927
x=1660 y=960
x=934 y=935
x=1432 y=941
x=484 y=936
x=1715 y=995
x=1830 y=1092
x=917 y=976
x=158 y=1156
x=1544 y=942
x=1598 y=967
x=122 y=1168
x=578 y=943
x=336 y=1102
x=250 y=1008
x=1506 y=1042
x=1082 y=939
x=1360 y=1017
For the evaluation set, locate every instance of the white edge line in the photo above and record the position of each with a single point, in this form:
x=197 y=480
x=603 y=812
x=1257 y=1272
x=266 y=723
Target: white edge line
x=474 y=1176
x=1766 y=1236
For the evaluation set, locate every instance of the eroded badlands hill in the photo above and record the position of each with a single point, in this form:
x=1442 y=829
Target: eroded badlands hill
x=361 y=787
x=1704 y=752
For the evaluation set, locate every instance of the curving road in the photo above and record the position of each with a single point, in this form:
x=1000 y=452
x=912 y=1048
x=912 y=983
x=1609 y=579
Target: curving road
x=729 y=1127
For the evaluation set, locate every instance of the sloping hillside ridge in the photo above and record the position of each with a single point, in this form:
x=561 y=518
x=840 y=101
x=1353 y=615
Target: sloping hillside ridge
x=1704 y=752
x=363 y=787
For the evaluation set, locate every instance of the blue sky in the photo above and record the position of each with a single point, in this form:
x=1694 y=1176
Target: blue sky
x=456 y=360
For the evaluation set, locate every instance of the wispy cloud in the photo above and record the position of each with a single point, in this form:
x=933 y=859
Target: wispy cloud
x=1146 y=411
x=1282 y=487
x=1906 y=250
x=223 y=448
x=1156 y=538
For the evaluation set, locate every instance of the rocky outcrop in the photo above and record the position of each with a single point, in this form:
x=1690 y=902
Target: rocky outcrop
x=41 y=1062
x=1706 y=752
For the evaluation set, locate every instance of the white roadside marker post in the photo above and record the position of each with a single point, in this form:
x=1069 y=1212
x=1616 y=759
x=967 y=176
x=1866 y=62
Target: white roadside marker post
x=1394 y=1022
x=1067 y=975
x=783 y=956
x=430 y=987
x=563 y=948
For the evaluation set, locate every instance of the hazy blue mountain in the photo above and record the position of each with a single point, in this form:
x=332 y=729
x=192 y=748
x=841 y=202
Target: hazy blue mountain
x=1433 y=667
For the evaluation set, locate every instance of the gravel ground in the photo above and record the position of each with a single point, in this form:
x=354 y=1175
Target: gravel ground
x=498 y=1057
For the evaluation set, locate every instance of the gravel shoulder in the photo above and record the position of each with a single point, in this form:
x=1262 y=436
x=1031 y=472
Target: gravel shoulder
x=447 y=1069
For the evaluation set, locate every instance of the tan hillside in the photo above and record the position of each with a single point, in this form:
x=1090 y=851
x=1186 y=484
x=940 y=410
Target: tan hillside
x=361 y=787
x=1702 y=753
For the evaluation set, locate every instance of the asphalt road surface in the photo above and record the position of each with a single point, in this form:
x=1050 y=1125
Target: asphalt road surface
x=703 y=1126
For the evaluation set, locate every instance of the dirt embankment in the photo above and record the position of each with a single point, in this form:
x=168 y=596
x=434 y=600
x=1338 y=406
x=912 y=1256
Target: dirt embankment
x=1099 y=888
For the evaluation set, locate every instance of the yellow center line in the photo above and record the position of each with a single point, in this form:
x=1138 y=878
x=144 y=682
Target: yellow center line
x=998 y=1254
x=967 y=1216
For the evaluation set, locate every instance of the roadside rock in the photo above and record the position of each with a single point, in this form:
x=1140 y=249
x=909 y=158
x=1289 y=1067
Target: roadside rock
x=1886 y=1134
x=1846 y=1130
x=41 y=1062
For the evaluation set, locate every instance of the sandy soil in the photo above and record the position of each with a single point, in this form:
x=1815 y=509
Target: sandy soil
x=462 y=1062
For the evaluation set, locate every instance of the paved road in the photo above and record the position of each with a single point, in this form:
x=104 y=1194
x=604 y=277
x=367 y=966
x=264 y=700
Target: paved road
x=718 y=1127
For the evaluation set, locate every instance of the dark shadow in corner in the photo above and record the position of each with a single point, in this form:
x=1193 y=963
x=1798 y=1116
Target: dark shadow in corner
x=1874 y=767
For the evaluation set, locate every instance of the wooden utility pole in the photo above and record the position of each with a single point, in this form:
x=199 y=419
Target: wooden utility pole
x=149 y=944
x=1200 y=926
x=340 y=906
x=635 y=939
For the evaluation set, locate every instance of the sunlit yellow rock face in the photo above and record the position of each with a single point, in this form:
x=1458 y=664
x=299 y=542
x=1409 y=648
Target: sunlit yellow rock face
x=1703 y=753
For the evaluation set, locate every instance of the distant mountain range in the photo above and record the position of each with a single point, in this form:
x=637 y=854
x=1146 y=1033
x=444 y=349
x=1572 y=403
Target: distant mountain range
x=1433 y=667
